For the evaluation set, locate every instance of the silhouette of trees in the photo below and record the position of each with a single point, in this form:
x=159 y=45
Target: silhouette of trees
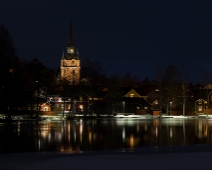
x=38 y=81
x=21 y=81
x=130 y=81
x=169 y=87
x=9 y=70
x=93 y=78
x=114 y=94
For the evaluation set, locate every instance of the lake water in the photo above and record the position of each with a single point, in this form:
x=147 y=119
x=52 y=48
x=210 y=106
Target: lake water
x=102 y=134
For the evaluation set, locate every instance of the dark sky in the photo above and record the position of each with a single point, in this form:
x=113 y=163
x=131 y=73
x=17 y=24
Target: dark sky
x=133 y=36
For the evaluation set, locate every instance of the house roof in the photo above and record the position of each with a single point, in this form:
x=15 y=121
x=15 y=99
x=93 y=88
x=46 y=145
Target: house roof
x=45 y=104
x=209 y=86
x=137 y=91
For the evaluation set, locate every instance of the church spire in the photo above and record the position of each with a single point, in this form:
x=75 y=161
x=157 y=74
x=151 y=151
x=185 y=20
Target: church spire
x=70 y=62
x=71 y=54
x=70 y=41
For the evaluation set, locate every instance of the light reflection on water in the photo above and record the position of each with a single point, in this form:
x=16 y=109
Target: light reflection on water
x=102 y=134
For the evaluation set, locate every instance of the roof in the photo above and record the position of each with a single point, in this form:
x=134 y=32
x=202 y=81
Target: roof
x=209 y=86
x=137 y=91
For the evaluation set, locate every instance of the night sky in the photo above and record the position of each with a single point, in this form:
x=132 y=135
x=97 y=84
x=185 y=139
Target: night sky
x=135 y=36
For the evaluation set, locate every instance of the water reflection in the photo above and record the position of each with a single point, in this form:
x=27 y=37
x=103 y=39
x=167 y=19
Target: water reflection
x=101 y=134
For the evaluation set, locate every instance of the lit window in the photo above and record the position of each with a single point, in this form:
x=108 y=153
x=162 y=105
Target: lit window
x=70 y=50
x=11 y=70
x=199 y=108
x=45 y=109
x=131 y=95
x=81 y=106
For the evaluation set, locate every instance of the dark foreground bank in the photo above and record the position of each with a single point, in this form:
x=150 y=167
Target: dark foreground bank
x=189 y=157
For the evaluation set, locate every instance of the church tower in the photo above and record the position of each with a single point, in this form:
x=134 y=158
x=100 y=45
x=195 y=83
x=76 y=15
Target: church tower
x=70 y=63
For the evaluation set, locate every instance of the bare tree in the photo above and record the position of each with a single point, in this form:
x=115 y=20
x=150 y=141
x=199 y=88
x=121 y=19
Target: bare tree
x=169 y=88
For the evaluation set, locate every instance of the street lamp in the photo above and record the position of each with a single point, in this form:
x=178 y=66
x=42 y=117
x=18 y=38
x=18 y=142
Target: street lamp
x=158 y=100
x=170 y=108
x=123 y=106
x=205 y=102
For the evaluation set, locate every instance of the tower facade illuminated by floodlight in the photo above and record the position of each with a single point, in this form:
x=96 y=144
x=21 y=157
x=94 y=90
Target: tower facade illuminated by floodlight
x=70 y=62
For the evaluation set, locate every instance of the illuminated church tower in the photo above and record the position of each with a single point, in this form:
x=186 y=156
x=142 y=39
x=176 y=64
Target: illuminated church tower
x=70 y=63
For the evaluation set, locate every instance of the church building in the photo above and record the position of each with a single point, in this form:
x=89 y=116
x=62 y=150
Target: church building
x=70 y=62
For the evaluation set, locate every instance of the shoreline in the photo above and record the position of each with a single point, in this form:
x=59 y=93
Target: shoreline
x=117 y=117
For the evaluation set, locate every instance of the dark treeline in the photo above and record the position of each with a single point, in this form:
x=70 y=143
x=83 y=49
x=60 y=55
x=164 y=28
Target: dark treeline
x=24 y=84
x=20 y=79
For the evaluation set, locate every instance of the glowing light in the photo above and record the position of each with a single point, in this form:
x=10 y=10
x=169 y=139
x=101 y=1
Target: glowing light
x=90 y=137
x=39 y=144
x=132 y=142
x=138 y=128
x=131 y=95
x=170 y=132
x=19 y=128
x=123 y=134
x=81 y=129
